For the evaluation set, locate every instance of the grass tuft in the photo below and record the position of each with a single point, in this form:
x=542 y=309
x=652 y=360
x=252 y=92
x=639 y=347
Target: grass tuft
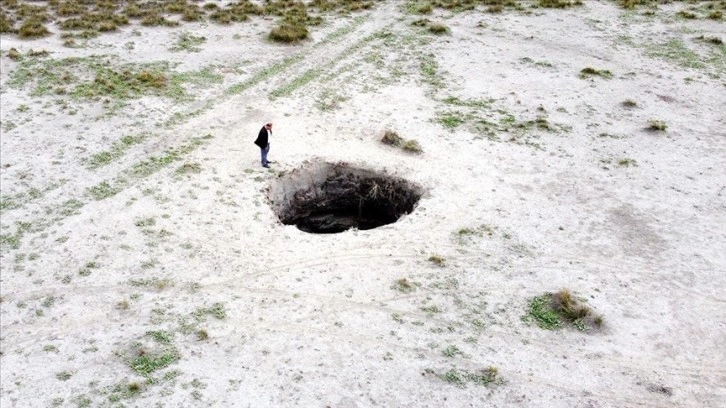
x=437 y=260
x=657 y=126
x=438 y=28
x=590 y=72
x=289 y=33
x=629 y=103
x=32 y=28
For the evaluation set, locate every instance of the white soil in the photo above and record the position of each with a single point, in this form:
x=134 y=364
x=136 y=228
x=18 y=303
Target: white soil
x=315 y=320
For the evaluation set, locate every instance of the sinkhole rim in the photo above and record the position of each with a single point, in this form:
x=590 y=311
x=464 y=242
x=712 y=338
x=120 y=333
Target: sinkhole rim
x=328 y=198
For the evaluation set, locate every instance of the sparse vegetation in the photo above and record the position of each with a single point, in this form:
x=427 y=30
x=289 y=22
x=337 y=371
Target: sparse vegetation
x=187 y=168
x=103 y=190
x=117 y=150
x=404 y=285
x=217 y=310
x=147 y=362
x=438 y=28
x=451 y=351
x=461 y=377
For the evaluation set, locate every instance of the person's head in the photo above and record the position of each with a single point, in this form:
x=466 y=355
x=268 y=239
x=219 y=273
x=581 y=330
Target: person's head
x=268 y=125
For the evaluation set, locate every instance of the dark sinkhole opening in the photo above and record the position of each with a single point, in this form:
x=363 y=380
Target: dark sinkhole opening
x=325 y=198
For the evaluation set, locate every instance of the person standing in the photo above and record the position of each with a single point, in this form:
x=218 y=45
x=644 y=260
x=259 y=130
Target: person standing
x=263 y=141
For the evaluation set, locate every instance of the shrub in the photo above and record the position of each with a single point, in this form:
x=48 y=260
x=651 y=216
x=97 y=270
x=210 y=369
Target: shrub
x=687 y=15
x=107 y=26
x=411 y=146
x=437 y=260
x=424 y=8
x=32 y=28
x=391 y=138
x=6 y=25
x=438 y=28
x=657 y=126
x=14 y=54
x=589 y=71
x=289 y=33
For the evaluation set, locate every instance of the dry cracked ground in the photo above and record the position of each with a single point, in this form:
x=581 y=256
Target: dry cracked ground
x=580 y=148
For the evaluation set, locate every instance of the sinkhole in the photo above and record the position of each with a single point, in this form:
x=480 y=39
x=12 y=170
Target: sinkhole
x=326 y=198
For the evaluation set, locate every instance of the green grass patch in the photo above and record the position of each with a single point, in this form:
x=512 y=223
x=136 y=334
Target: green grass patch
x=469 y=103
x=217 y=310
x=265 y=74
x=462 y=377
x=553 y=310
x=148 y=362
x=117 y=150
x=161 y=336
x=451 y=119
x=542 y=313
x=676 y=52
x=103 y=190
x=429 y=69
x=299 y=82
x=154 y=164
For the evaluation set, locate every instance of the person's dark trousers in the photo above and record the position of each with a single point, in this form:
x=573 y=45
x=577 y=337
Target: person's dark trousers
x=263 y=153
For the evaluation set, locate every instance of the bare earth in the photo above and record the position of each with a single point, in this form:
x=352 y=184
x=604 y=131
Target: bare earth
x=588 y=198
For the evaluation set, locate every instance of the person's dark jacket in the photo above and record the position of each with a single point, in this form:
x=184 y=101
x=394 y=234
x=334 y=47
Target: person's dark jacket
x=262 y=138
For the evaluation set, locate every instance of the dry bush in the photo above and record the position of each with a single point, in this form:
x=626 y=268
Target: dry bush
x=551 y=310
x=657 y=126
x=391 y=138
x=575 y=311
x=289 y=33
x=32 y=28
x=411 y=146
x=437 y=28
